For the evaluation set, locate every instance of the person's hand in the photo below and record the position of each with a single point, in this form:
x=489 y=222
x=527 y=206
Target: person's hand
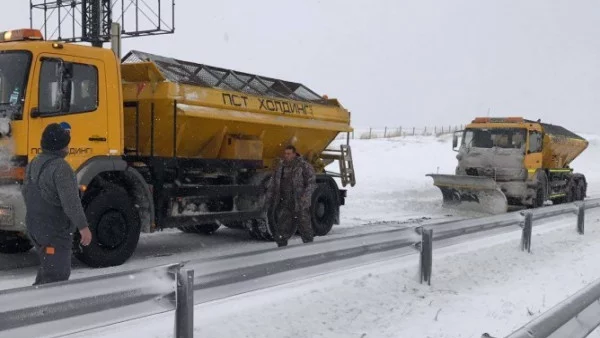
x=86 y=236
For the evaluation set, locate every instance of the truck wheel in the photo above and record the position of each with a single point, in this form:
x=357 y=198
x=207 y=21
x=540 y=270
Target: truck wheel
x=323 y=209
x=253 y=230
x=12 y=242
x=201 y=229
x=264 y=229
x=570 y=193
x=538 y=200
x=115 y=228
x=540 y=192
x=580 y=191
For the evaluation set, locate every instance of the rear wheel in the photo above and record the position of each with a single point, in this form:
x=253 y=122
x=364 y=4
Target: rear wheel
x=115 y=228
x=262 y=229
x=323 y=209
x=12 y=242
x=580 y=190
x=570 y=193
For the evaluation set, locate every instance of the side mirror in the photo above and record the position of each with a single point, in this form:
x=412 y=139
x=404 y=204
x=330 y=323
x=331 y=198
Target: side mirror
x=454 y=141
x=35 y=113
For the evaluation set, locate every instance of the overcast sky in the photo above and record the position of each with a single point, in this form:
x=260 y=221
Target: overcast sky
x=401 y=63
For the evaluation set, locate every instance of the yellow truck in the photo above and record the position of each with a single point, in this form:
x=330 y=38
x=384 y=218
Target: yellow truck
x=160 y=143
x=512 y=161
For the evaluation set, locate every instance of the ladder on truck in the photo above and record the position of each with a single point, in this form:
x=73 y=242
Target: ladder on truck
x=344 y=157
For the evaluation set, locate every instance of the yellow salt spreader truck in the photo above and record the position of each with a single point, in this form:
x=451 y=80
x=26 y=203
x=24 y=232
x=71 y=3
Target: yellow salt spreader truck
x=160 y=143
x=512 y=161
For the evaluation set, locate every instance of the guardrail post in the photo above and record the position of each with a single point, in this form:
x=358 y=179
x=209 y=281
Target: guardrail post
x=184 y=310
x=526 y=236
x=426 y=257
x=580 y=218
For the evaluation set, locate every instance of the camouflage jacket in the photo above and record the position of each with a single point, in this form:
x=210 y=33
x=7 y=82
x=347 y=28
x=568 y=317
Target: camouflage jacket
x=304 y=183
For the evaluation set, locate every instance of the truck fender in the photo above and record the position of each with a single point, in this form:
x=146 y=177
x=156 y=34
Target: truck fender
x=94 y=166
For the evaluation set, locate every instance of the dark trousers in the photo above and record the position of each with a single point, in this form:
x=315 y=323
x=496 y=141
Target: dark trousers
x=288 y=221
x=55 y=264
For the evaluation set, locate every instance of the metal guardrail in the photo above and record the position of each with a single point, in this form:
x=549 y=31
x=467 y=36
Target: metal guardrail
x=50 y=310
x=575 y=317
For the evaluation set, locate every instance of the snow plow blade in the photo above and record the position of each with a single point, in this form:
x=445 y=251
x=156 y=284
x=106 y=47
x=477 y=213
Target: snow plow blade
x=475 y=193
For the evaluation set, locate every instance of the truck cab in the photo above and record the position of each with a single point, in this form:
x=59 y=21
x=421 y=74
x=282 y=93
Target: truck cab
x=43 y=82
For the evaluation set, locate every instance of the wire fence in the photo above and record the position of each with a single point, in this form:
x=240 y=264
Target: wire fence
x=389 y=132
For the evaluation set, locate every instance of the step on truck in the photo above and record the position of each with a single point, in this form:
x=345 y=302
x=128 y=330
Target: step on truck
x=513 y=162
x=159 y=142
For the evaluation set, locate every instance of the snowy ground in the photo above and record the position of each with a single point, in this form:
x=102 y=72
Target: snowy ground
x=489 y=286
x=484 y=288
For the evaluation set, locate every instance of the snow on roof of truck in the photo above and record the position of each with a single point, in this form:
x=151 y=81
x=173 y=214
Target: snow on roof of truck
x=186 y=72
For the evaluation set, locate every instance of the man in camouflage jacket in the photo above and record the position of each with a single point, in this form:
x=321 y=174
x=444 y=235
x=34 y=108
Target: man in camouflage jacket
x=290 y=195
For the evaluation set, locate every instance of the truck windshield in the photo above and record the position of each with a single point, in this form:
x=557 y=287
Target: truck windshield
x=508 y=138
x=14 y=68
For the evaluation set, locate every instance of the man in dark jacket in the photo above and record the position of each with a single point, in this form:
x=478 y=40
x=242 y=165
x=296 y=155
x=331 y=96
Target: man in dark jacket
x=53 y=206
x=290 y=194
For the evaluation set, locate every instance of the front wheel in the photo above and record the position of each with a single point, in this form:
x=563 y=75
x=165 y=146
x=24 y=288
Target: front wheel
x=13 y=242
x=115 y=228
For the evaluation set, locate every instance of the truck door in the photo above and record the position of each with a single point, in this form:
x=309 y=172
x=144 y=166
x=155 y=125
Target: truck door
x=70 y=91
x=534 y=151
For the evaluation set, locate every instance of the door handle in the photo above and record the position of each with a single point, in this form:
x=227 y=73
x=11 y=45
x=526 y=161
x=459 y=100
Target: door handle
x=97 y=139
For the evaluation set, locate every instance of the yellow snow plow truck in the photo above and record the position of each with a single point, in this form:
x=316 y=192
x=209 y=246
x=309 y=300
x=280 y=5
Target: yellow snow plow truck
x=160 y=143
x=513 y=161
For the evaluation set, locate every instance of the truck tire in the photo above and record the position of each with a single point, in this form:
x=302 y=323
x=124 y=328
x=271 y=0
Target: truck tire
x=253 y=230
x=201 y=229
x=570 y=192
x=13 y=243
x=580 y=190
x=540 y=192
x=262 y=229
x=115 y=228
x=323 y=209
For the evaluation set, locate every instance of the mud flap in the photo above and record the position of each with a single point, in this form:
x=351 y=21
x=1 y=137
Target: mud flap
x=475 y=193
